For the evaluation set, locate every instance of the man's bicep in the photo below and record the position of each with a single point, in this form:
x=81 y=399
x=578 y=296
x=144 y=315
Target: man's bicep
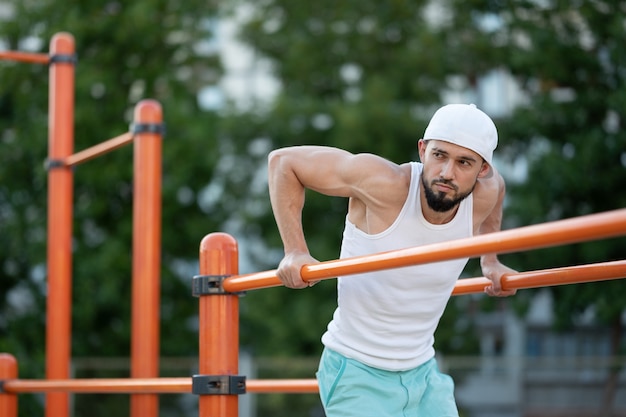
x=342 y=174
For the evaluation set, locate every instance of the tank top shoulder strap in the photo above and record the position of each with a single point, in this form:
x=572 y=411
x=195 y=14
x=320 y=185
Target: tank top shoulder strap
x=412 y=201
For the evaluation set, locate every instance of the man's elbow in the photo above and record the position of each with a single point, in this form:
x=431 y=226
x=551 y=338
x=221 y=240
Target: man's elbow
x=274 y=157
x=279 y=162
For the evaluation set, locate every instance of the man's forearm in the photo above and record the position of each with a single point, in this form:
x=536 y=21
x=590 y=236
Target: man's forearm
x=287 y=200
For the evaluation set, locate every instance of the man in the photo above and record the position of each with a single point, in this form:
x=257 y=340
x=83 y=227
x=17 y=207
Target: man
x=378 y=357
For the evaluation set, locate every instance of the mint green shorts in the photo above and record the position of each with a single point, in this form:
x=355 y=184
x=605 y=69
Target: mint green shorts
x=350 y=388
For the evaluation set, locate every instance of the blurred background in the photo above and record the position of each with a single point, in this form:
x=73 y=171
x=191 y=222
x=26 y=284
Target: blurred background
x=239 y=78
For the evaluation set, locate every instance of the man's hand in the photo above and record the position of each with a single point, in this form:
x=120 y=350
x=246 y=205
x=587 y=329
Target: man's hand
x=494 y=270
x=291 y=265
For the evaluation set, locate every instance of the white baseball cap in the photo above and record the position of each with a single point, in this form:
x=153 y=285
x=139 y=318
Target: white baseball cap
x=464 y=125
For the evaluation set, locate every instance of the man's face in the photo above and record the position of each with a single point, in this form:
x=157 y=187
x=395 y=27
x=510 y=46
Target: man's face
x=450 y=173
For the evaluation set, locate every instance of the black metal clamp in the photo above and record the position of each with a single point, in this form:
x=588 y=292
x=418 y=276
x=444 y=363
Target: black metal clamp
x=62 y=59
x=209 y=285
x=54 y=163
x=218 y=384
x=137 y=128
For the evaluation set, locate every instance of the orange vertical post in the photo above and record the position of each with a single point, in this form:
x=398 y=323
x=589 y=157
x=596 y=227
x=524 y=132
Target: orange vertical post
x=146 y=281
x=218 y=383
x=60 y=200
x=8 y=370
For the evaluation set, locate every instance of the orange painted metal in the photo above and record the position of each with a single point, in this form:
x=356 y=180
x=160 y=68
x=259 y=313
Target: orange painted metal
x=29 y=57
x=256 y=280
x=569 y=275
x=556 y=276
x=289 y=386
x=8 y=371
x=147 y=385
x=99 y=149
x=219 y=324
x=60 y=200
x=547 y=277
x=146 y=270
x=577 y=229
x=101 y=385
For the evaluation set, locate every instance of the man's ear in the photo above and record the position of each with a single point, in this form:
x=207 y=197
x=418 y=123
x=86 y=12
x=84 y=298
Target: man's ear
x=421 y=148
x=486 y=171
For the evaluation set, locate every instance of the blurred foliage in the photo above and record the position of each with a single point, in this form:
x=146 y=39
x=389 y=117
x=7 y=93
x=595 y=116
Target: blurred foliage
x=126 y=52
x=360 y=75
x=570 y=134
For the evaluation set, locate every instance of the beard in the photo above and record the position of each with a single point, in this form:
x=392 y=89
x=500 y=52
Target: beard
x=438 y=201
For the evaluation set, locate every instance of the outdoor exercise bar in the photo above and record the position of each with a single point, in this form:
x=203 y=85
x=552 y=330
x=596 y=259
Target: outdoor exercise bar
x=99 y=149
x=171 y=385
x=219 y=292
x=30 y=57
x=60 y=196
x=146 y=260
x=219 y=329
x=522 y=280
x=530 y=279
x=146 y=132
x=577 y=229
x=547 y=277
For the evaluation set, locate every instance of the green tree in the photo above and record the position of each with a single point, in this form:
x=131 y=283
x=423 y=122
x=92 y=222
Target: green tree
x=569 y=61
x=127 y=51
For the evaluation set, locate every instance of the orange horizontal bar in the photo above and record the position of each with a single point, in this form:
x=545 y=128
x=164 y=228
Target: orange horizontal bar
x=547 y=277
x=148 y=385
x=100 y=386
x=573 y=230
x=295 y=386
x=99 y=149
x=30 y=57
x=257 y=280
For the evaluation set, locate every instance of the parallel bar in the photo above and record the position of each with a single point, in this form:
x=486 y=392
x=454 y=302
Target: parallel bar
x=60 y=219
x=30 y=57
x=99 y=149
x=148 y=386
x=573 y=230
x=8 y=400
x=289 y=386
x=101 y=386
x=218 y=324
x=532 y=279
x=146 y=259
x=547 y=277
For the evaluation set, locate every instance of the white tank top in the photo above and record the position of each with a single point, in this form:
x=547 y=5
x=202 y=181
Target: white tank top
x=387 y=319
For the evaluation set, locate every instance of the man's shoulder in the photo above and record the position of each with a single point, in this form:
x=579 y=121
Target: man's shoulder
x=490 y=185
x=487 y=192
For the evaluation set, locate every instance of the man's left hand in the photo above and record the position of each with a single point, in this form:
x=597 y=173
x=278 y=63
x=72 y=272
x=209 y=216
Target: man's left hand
x=494 y=272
